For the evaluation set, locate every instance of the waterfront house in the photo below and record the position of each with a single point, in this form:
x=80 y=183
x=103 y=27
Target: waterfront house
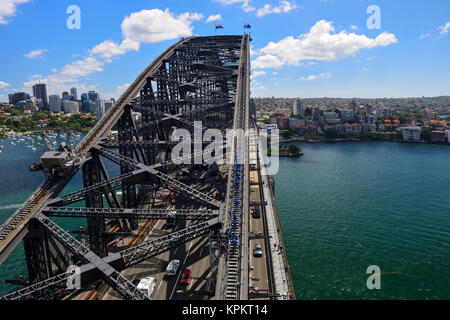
x=340 y=128
x=348 y=128
x=438 y=136
x=411 y=133
x=356 y=128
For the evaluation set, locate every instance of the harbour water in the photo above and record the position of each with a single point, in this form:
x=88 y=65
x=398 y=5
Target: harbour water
x=17 y=183
x=346 y=206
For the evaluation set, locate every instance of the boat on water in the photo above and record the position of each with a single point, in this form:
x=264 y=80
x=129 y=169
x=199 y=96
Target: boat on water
x=314 y=141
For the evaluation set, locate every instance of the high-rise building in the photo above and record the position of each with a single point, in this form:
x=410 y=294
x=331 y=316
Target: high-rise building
x=40 y=92
x=54 y=102
x=299 y=109
x=100 y=109
x=65 y=95
x=354 y=106
x=74 y=93
x=15 y=98
x=93 y=96
x=70 y=106
x=84 y=97
x=108 y=105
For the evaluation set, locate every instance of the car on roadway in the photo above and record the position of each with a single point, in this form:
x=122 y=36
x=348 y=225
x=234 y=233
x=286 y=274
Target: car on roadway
x=146 y=286
x=258 y=251
x=256 y=213
x=186 y=277
x=172 y=268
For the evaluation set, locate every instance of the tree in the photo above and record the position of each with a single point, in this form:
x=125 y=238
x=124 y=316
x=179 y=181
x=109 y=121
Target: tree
x=331 y=134
x=293 y=149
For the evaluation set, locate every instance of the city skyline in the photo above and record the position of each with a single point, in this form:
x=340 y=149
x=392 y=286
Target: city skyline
x=300 y=48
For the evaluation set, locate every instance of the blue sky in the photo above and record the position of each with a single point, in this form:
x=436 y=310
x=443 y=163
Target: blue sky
x=301 y=48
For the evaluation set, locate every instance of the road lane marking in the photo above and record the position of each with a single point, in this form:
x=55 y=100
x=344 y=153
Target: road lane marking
x=179 y=273
x=160 y=283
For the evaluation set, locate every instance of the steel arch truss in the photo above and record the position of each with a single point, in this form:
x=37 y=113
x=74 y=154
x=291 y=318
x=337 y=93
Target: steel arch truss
x=194 y=80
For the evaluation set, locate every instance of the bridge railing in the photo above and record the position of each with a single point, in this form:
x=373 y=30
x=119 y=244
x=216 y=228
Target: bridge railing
x=10 y=220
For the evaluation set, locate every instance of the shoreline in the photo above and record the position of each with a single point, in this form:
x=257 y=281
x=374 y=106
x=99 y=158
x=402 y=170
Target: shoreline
x=290 y=155
x=19 y=134
x=355 y=140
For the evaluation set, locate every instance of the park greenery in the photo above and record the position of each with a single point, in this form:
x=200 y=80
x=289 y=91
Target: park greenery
x=292 y=151
x=19 y=122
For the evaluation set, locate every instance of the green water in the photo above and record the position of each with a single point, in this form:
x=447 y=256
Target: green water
x=17 y=183
x=346 y=206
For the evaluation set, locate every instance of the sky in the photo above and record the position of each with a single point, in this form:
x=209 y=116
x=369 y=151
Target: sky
x=300 y=48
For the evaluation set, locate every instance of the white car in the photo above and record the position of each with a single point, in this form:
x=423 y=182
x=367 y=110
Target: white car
x=172 y=268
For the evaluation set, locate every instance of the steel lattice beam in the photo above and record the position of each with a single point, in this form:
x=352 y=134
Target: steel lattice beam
x=178 y=186
x=115 y=213
x=118 y=282
x=102 y=187
x=127 y=258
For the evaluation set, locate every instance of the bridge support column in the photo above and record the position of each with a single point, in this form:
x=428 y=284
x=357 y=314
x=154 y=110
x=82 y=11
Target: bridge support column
x=37 y=254
x=129 y=196
x=96 y=227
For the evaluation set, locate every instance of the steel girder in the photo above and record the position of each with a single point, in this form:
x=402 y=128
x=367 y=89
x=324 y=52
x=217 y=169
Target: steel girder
x=155 y=144
x=118 y=282
x=120 y=213
x=90 y=273
x=98 y=188
x=168 y=181
x=123 y=161
x=155 y=247
x=178 y=186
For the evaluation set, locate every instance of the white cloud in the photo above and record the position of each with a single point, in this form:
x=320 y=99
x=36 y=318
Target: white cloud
x=284 y=7
x=145 y=26
x=212 y=18
x=35 y=54
x=353 y=27
x=259 y=88
x=245 y=4
x=319 y=76
x=267 y=61
x=151 y=26
x=108 y=48
x=445 y=28
x=423 y=36
x=3 y=84
x=321 y=43
x=258 y=74
x=8 y=8
x=117 y=93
